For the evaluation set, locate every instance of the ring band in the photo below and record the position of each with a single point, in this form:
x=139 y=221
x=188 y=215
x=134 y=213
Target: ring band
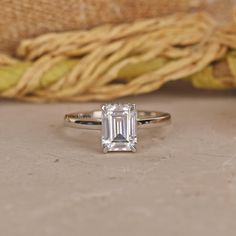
x=93 y=120
x=119 y=123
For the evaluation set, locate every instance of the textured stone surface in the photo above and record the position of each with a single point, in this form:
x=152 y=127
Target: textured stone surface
x=182 y=180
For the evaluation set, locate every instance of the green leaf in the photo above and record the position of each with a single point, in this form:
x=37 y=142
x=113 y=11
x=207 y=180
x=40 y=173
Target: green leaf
x=10 y=75
x=206 y=80
x=134 y=70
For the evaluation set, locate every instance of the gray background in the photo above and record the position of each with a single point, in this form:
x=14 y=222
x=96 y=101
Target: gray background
x=182 y=180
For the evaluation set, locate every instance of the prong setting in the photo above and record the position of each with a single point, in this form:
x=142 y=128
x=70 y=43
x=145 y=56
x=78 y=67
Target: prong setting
x=105 y=149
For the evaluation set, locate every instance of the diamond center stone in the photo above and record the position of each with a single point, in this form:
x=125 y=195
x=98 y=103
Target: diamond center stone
x=119 y=127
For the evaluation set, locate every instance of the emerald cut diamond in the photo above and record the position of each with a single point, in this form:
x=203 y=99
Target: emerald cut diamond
x=119 y=127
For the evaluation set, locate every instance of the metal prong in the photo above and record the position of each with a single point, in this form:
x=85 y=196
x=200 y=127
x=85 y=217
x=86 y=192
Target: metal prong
x=133 y=149
x=105 y=149
x=133 y=107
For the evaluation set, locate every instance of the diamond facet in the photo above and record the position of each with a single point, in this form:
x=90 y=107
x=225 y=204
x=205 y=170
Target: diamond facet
x=119 y=127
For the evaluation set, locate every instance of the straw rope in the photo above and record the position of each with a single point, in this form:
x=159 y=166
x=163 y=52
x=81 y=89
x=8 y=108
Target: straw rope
x=112 y=61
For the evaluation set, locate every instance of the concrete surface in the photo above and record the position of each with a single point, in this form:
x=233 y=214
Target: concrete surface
x=182 y=180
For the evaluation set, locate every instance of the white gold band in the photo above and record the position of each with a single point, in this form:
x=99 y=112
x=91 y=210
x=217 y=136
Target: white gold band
x=93 y=120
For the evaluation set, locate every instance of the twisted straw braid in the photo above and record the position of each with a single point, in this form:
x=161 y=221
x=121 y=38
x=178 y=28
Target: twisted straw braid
x=112 y=61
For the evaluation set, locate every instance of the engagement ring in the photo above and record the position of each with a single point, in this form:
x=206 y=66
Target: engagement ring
x=118 y=123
